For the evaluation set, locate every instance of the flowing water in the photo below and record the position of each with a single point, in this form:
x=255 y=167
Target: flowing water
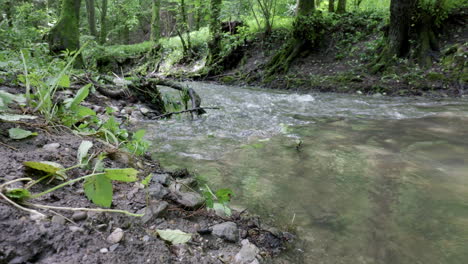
x=360 y=179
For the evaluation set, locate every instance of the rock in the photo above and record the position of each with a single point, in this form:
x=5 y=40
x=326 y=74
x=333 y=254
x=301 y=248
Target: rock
x=144 y=110
x=36 y=217
x=116 y=236
x=247 y=254
x=227 y=231
x=161 y=178
x=79 y=216
x=188 y=199
x=103 y=250
x=154 y=210
x=58 y=219
x=76 y=229
x=51 y=147
x=113 y=247
x=157 y=191
x=146 y=238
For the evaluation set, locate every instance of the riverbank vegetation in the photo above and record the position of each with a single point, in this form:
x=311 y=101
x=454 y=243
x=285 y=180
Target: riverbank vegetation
x=77 y=75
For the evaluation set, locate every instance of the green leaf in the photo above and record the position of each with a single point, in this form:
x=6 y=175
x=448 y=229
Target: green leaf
x=138 y=135
x=48 y=167
x=83 y=150
x=79 y=97
x=18 y=194
x=147 y=180
x=174 y=236
x=83 y=111
x=18 y=133
x=13 y=117
x=98 y=189
x=64 y=81
x=224 y=195
x=123 y=175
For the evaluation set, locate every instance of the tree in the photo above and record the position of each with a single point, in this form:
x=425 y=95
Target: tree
x=65 y=35
x=341 y=9
x=331 y=6
x=303 y=37
x=90 y=10
x=103 y=33
x=214 y=45
x=155 y=26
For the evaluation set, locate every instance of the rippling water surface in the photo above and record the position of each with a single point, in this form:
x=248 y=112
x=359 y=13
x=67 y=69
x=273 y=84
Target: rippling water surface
x=362 y=179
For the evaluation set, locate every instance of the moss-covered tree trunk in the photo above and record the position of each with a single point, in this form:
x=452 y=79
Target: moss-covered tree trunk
x=214 y=45
x=90 y=11
x=65 y=35
x=282 y=60
x=103 y=33
x=155 y=26
x=341 y=9
x=331 y=6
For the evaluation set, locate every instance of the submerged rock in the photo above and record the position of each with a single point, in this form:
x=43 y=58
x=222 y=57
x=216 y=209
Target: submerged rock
x=227 y=231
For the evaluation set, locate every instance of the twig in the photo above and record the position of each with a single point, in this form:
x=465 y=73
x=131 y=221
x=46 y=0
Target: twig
x=31 y=211
x=8 y=146
x=184 y=111
x=13 y=181
x=84 y=209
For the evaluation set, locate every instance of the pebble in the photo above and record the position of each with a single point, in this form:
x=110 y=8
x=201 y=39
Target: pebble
x=227 y=231
x=58 y=219
x=146 y=238
x=161 y=178
x=36 y=217
x=144 y=110
x=51 y=147
x=154 y=210
x=116 y=236
x=157 y=191
x=79 y=216
x=76 y=229
x=189 y=199
x=103 y=250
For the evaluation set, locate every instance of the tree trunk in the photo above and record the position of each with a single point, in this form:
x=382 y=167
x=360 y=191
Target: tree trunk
x=155 y=27
x=103 y=33
x=331 y=6
x=65 y=35
x=215 y=33
x=341 y=9
x=400 y=22
x=305 y=7
x=90 y=10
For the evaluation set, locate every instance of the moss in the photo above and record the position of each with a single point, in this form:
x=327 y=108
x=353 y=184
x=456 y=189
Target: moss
x=229 y=79
x=435 y=76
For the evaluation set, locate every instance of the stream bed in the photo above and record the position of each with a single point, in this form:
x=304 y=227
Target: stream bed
x=360 y=179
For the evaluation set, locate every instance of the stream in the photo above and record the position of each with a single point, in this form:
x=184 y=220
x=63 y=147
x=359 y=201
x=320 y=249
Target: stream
x=360 y=179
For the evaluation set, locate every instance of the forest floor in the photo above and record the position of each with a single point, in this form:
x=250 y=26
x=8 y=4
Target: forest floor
x=167 y=202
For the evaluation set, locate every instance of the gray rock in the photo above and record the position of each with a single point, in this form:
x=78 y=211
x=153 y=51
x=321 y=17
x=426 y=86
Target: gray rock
x=76 y=229
x=227 y=231
x=116 y=236
x=154 y=210
x=144 y=110
x=157 y=191
x=113 y=247
x=51 y=147
x=103 y=250
x=161 y=178
x=188 y=199
x=79 y=216
x=58 y=219
x=247 y=254
x=36 y=217
x=146 y=238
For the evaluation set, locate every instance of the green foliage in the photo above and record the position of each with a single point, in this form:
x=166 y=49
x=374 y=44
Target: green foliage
x=137 y=145
x=52 y=169
x=18 y=194
x=218 y=201
x=310 y=28
x=99 y=190
x=18 y=133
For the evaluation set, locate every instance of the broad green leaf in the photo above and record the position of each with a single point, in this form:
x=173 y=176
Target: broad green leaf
x=147 y=180
x=18 y=133
x=123 y=175
x=138 y=135
x=224 y=195
x=98 y=189
x=6 y=98
x=64 y=81
x=47 y=166
x=83 y=150
x=14 y=117
x=83 y=111
x=18 y=194
x=174 y=236
x=79 y=97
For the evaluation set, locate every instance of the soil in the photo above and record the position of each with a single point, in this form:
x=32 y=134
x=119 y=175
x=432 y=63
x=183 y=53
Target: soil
x=63 y=237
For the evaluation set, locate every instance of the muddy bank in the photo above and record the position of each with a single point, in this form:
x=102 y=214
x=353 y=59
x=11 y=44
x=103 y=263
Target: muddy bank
x=169 y=201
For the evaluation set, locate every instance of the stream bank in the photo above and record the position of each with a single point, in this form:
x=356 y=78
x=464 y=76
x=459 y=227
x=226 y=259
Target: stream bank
x=167 y=202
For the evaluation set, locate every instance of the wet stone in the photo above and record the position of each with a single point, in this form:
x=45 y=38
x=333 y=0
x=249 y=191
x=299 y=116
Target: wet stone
x=79 y=216
x=116 y=236
x=227 y=231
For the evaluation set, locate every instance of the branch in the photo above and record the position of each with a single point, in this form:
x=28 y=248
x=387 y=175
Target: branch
x=84 y=209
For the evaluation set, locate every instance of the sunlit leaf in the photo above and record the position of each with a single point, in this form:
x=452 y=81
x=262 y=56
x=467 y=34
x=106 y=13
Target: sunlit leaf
x=123 y=175
x=147 y=180
x=79 y=97
x=174 y=236
x=83 y=150
x=64 y=81
x=47 y=166
x=98 y=189
x=18 y=133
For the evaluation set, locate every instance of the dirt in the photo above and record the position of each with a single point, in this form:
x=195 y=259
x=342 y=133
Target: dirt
x=63 y=237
